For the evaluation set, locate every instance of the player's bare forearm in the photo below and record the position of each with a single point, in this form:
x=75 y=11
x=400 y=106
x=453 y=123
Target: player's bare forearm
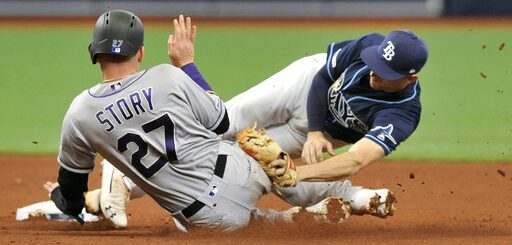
x=331 y=169
x=360 y=155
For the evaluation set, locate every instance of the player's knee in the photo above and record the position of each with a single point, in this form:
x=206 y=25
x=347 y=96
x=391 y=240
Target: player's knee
x=237 y=220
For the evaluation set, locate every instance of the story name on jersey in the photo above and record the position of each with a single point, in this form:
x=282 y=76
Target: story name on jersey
x=125 y=108
x=340 y=109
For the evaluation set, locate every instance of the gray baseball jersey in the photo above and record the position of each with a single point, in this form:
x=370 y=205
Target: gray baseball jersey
x=155 y=126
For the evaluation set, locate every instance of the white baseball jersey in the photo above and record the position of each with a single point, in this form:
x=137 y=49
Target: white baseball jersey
x=278 y=104
x=155 y=126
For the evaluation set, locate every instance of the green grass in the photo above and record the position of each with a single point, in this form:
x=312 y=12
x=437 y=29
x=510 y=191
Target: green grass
x=465 y=116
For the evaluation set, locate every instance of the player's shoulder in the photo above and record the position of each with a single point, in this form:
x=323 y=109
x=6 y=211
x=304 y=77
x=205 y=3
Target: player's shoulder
x=78 y=104
x=371 y=39
x=167 y=71
x=80 y=98
x=373 y=35
x=165 y=68
x=168 y=75
x=356 y=45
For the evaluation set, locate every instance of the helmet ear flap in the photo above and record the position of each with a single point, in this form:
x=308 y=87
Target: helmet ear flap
x=93 y=56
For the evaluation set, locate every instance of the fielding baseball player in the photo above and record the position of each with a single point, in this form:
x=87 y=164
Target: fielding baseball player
x=354 y=91
x=363 y=92
x=161 y=129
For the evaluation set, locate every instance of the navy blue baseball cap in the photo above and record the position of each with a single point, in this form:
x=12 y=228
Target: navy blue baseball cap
x=402 y=53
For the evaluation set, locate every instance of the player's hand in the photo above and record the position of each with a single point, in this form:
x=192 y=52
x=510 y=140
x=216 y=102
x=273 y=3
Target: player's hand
x=180 y=46
x=50 y=186
x=315 y=145
x=278 y=166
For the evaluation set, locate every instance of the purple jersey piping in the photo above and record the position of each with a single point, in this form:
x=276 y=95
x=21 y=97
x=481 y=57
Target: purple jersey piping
x=126 y=86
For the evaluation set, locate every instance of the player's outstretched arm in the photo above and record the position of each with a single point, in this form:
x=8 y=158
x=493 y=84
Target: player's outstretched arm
x=317 y=112
x=180 y=46
x=69 y=207
x=362 y=153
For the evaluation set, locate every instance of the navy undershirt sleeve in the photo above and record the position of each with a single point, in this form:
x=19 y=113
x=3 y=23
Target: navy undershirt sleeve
x=192 y=71
x=317 y=101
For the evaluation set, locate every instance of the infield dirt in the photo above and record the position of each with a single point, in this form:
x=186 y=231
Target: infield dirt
x=438 y=203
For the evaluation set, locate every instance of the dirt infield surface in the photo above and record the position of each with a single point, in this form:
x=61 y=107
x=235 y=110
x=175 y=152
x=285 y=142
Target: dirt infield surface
x=448 y=203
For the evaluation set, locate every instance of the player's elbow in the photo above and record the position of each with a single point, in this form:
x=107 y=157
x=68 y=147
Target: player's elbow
x=357 y=162
x=363 y=153
x=223 y=126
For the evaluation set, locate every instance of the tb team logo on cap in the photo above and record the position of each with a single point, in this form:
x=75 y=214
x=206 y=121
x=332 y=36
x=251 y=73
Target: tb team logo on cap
x=400 y=54
x=389 y=51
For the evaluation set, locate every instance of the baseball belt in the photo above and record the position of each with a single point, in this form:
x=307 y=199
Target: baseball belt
x=193 y=208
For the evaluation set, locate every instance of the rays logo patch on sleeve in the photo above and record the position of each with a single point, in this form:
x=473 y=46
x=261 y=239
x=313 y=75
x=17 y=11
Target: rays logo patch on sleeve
x=385 y=133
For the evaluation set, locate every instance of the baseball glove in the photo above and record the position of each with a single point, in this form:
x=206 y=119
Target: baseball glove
x=264 y=150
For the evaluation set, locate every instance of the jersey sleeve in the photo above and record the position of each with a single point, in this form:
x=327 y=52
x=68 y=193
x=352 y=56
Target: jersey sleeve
x=392 y=126
x=207 y=107
x=341 y=55
x=75 y=154
x=316 y=103
x=192 y=71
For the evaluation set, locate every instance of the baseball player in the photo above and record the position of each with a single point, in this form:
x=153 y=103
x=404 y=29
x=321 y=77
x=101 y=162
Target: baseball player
x=363 y=92
x=355 y=91
x=159 y=128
